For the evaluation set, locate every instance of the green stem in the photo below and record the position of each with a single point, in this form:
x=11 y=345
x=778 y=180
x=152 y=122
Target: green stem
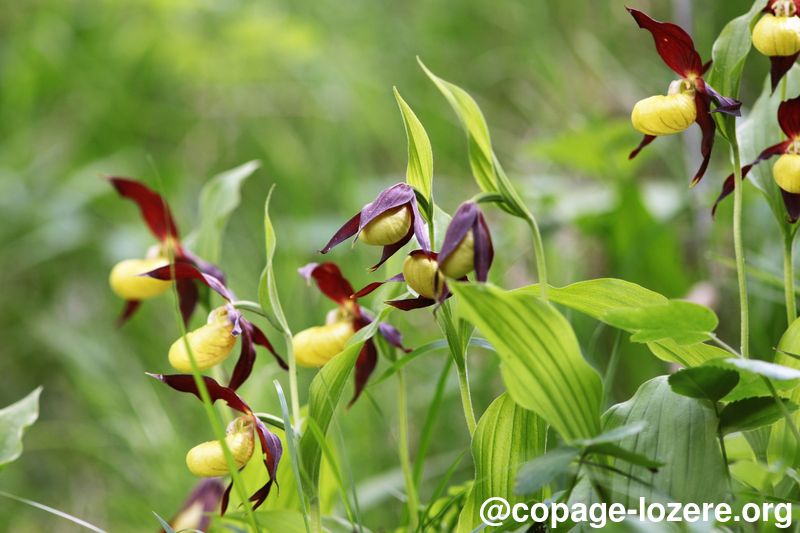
x=405 y=455
x=739 y=249
x=723 y=449
x=788 y=277
x=538 y=247
x=458 y=351
x=466 y=396
x=293 y=389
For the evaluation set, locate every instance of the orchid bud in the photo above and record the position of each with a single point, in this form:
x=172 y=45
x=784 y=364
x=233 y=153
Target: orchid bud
x=665 y=115
x=388 y=227
x=127 y=282
x=421 y=273
x=461 y=261
x=313 y=347
x=787 y=173
x=777 y=35
x=208 y=459
x=211 y=344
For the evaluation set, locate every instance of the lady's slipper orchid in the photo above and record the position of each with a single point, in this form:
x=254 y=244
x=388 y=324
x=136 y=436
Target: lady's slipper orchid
x=689 y=98
x=211 y=344
x=315 y=346
x=786 y=170
x=777 y=35
x=204 y=459
x=389 y=221
x=195 y=512
x=208 y=459
x=126 y=277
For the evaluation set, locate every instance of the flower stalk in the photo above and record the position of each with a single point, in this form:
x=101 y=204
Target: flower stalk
x=738 y=247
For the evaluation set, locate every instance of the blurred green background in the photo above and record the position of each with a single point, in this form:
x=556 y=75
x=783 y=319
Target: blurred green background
x=173 y=92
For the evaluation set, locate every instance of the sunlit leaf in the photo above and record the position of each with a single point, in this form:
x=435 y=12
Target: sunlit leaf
x=267 y=288
x=419 y=173
x=542 y=368
x=704 y=382
x=13 y=421
x=507 y=436
x=219 y=198
x=677 y=320
x=752 y=413
x=783 y=445
x=765 y=368
x=615 y=434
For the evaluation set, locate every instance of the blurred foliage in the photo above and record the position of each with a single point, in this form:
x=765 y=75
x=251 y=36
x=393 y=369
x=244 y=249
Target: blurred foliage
x=174 y=92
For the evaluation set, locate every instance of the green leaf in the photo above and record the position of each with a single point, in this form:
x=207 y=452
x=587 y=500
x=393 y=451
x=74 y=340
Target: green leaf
x=542 y=364
x=680 y=434
x=507 y=436
x=751 y=413
x=323 y=397
x=766 y=369
x=729 y=55
x=267 y=288
x=534 y=475
x=680 y=321
x=419 y=173
x=782 y=444
x=291 y=444
x=614 y=434
x=218 y=200
x=610 y=449
x=599 y=297
x=13 y=421
x=704 y=382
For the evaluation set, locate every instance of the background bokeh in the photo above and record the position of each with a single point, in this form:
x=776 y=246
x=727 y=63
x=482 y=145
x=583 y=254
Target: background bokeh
x=175 y=91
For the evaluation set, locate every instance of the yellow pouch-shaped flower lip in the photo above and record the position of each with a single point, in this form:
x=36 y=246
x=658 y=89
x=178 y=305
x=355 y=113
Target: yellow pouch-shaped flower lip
x=777 y=35
x=787 y=173
x=208 y=459
x=421 y=273
x=387 y=228
x=664 y=115
x=315 y=346
x=211 y=343
x=127 y=282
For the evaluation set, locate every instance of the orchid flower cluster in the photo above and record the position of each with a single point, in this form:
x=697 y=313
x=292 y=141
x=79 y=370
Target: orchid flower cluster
x=210 y=345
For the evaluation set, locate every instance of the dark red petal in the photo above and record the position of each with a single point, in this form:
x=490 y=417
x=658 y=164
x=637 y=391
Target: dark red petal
x=645 y=141
x=183 y=270
x=729 y=106
x=394 y=196
x=262 y=340
x=412 y=303
x=203 y=266
x=392 y=335
x=789 y=117
x=779 y=66
x=154 y=209
x=728 y=186
x=463 y=220
x=375 y=284
x=187 y=297
x=349 y=229
x=365 y=365
x=329 y=280
x=708 y=128
x=673 y=44
x=271 y=450
x=225 y=498
x=707 y=65
x=484 y=251
x=127 y=312
x=185 y=383
x=247 y=358
x=391 y=249
x=792 y=203
x=208 y=493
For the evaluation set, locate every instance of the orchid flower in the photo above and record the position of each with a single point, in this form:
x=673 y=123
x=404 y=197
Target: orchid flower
x=777 y=35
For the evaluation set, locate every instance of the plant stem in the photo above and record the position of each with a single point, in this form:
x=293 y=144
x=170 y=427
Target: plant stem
x=723 y=449
x=788 y=276
x=738 y=247
x=466 y=396
x=405 y=455
x=293 y=389
x=538 y=247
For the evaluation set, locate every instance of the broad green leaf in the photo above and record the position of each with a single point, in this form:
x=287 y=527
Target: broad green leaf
x=610 y=449
x=680 y=321
x=752 y=413
x=291 y=444
x=614 y=434
x=419 y=173
x=13 y=421
x=507 y=436
x=323 y=397
x=267 y=288
x=536 y=474
x=598 y=297
x=729 y=55
x=680 y=434
x=766 y=369
x=782 y=443
x=542 y=365
x=218 y=200
x=704 y=382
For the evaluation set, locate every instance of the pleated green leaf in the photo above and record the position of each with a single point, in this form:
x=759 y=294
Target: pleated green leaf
x=782 y=443
x=13 y=421
x=507 y=436
x=419 y=173
x=542 y=368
